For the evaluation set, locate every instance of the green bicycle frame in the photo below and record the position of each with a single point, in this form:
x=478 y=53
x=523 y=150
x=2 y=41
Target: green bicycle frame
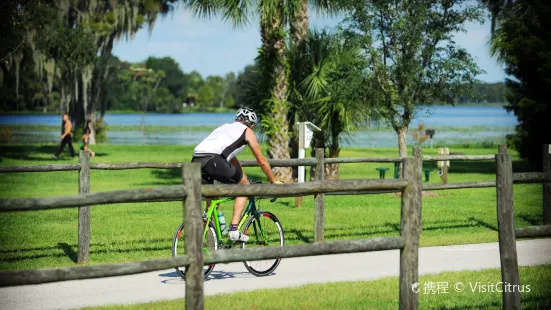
x=249 y=210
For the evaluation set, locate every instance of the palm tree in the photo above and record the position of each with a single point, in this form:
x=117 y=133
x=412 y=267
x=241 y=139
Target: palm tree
x=328 y=90
x=498 y=8
x=274 y=16
x=298 y=36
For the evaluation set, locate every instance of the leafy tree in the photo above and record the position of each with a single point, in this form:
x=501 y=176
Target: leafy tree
x=246 y=91
x=205 y=97
x=100 y=23
x=229 y=90
x=412 y=59
x=523 y=42
x=174 y=80
x=194 y=81
x=216 y=84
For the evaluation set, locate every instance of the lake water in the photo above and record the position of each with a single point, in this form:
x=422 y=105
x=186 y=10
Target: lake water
x=454 y=125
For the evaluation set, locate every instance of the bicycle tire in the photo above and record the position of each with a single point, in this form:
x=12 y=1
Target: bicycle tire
x=211 y=238
x=255 y=267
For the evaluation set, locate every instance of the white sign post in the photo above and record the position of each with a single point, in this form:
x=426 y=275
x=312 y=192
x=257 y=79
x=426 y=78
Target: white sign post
x=305 y=135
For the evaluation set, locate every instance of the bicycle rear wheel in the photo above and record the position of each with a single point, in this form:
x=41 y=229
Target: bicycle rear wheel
x=264 y=230
x=210 y=243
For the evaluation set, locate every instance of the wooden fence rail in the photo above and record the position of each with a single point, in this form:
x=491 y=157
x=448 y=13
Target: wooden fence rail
x=435 y=187
x=518 y=178
x=40 y=168
x=295 y=162
x=39 y=276
x=459 y=157
x=533 y=231
x=178 y=192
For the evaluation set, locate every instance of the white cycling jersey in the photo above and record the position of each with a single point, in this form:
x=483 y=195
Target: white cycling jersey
x=227 y=140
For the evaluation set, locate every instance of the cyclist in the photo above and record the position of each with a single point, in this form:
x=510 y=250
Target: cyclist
x=217 y=155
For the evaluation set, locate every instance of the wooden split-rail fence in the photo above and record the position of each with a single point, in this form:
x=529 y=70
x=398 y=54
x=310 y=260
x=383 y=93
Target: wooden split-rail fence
x=192 y=192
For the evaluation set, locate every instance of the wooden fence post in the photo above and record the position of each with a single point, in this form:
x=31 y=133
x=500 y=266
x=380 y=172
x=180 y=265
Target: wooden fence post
x=410 y=230
x=546 y=186
x=193 y=235
x=83 y=252
x=506 y=227
x=319 y=213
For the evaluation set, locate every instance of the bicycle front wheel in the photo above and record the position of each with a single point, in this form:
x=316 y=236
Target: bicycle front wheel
x=264 y=230
x=210 y=243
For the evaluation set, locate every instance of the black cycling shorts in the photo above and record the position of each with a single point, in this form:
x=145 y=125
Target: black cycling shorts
x=215 y=167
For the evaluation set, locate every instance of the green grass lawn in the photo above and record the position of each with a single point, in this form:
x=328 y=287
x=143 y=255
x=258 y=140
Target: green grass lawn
x=138 y=231
x=383 y=294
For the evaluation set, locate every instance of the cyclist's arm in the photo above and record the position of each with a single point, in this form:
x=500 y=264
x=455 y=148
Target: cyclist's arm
x=250 y=137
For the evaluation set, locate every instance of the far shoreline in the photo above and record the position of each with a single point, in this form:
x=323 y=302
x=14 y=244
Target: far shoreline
x=225 y=110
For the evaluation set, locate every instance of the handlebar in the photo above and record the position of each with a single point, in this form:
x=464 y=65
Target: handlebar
x=260 y=182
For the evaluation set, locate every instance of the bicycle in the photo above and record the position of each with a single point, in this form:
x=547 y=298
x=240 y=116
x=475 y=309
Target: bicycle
x=262 y=234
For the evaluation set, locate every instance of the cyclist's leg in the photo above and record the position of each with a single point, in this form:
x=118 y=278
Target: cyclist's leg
x=224 y=172
x=239 y=204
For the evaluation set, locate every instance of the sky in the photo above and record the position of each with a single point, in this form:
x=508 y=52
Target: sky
x=213 y=47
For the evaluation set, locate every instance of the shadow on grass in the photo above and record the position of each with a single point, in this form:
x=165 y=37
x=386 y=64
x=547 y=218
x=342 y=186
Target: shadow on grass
x=29 y=249
x=38 y=152
x=482 y=223
x=294 y=235
x=480 y=305
x=31 y=152
x=527 y=302
x=532 y=219
x=95 y=248
x=172 y=176
x=369 y=231
x=300 y=236
x=69 y=251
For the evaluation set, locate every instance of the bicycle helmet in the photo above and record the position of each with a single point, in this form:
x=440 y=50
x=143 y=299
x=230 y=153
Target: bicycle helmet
x=247 y=115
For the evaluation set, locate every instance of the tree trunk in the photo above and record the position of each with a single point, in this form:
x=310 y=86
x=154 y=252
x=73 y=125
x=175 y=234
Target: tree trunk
x=402 y=135
x=275 y=66
x=332 y=171
x=317 y=143
x=89 y=109
x=402 y=145
x=18 y=58
x=278 y=143
x=299 y=24
x=299 y=32
x=293 y=143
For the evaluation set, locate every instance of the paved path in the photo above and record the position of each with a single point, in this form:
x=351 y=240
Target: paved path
x=164 y=285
